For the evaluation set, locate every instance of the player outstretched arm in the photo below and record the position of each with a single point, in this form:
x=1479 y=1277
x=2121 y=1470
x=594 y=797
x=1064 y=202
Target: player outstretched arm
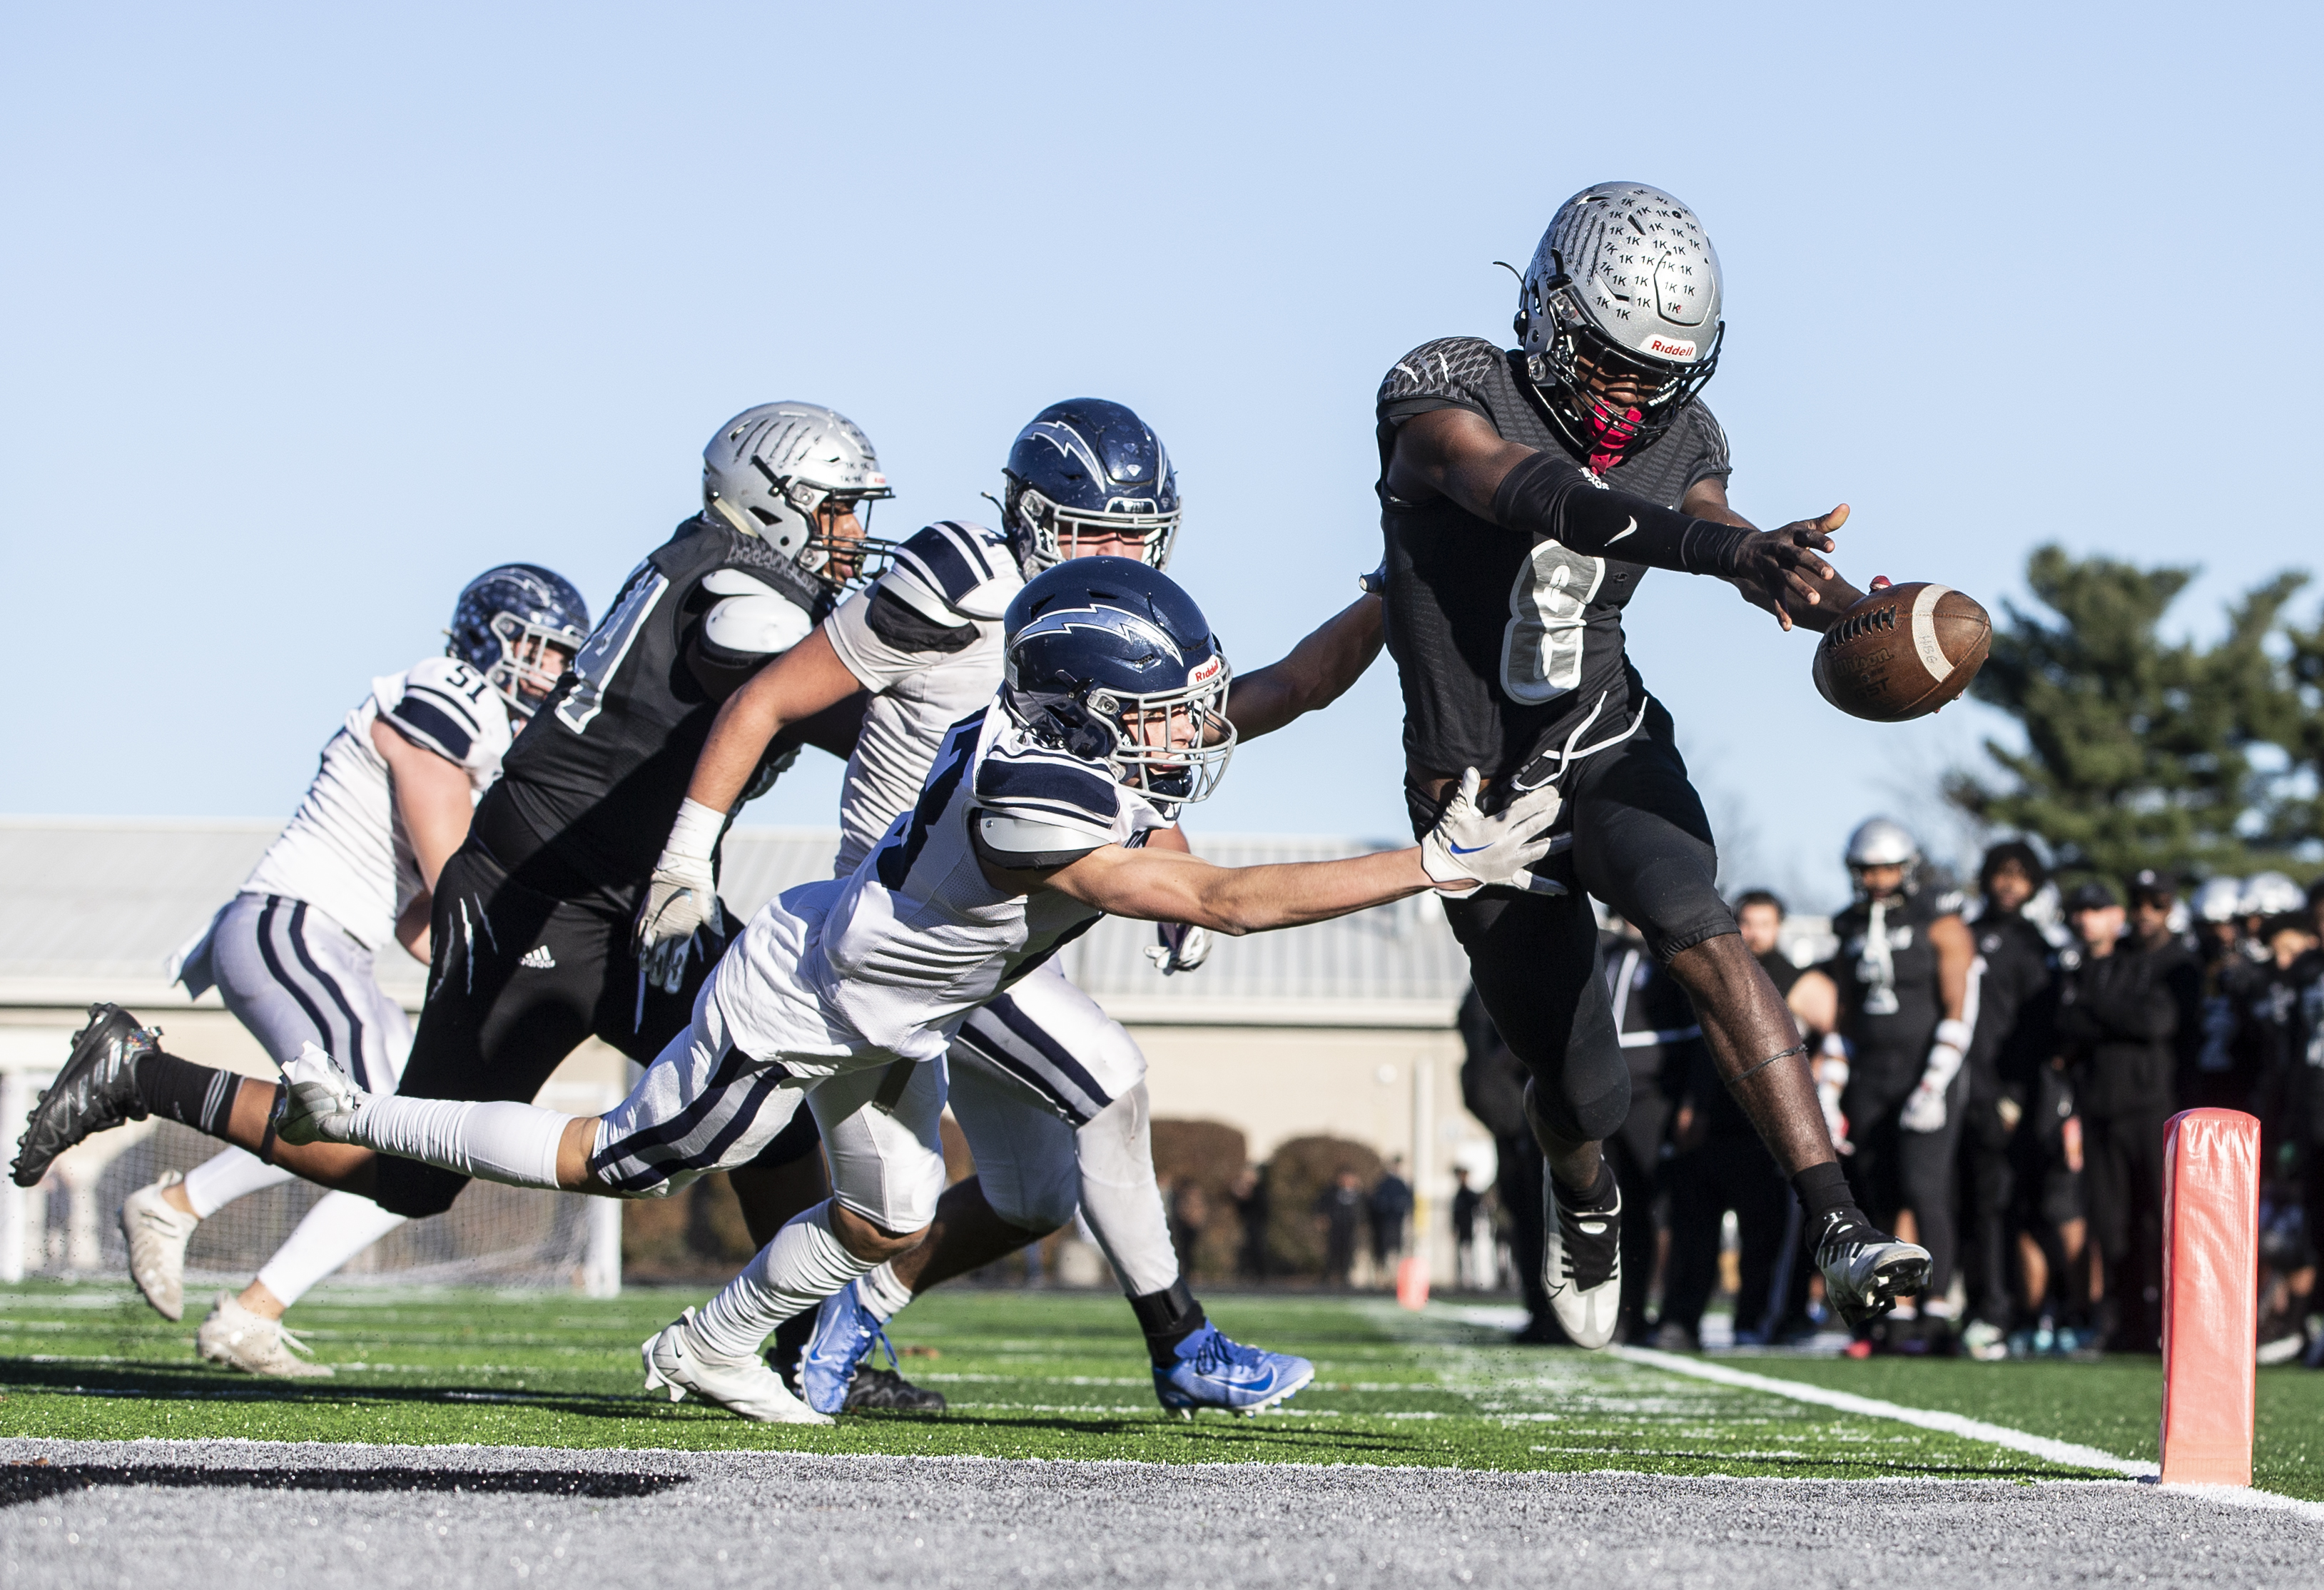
x=1467 y=849
x=1455 y=453
x=1310 y=676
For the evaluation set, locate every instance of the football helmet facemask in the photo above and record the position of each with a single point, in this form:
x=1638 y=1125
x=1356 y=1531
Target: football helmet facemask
x=1618 y=317
x=1088 y=469
x=519 y=625
x=1109 y=660
x=789 y=474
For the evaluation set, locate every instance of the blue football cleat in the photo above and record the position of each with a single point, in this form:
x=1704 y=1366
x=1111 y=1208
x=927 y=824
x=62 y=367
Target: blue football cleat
x=1212 y=1372
x=844 y=1335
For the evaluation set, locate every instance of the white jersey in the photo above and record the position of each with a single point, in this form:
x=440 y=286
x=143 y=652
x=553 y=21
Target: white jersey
x=926 y=641
x=893 y=957
x=346 y=851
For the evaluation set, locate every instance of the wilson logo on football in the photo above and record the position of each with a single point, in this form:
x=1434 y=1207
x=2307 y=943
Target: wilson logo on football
x=1670 y=348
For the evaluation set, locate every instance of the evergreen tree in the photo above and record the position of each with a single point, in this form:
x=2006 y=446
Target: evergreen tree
x=2138 y=750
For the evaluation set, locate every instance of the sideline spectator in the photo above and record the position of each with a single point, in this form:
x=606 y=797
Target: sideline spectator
x=2117 y=1016
x=1902 y=982
x=1252 y=1208
x=2009 y=1053
x=1190 y=1213
x=1390 y=1204
x=1721 y=1164
x=1660 y=1040
x=1466 y=1203
x=1338 y=1209
x=1492 y=1086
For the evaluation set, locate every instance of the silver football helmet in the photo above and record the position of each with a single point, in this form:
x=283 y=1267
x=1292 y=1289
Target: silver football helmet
x=1625 y=284
x=1880 y=843
x=772 y=470
x=2270 y=895
x=2216 y=900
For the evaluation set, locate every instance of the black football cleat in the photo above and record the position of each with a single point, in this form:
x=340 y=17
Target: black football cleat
x=1865 y=1271
x=888 y=1392
x=96 y=1091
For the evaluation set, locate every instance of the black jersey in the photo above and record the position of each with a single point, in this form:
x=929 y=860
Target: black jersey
x=1505 y=643
x=588 y=791
x=1889 y=1003
x=2016 y=1001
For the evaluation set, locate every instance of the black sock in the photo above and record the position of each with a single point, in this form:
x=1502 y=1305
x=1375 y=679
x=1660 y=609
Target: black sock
x=1600 y=1193
x=1824 y=1191
x=1167 y=1318
x=200 y=1097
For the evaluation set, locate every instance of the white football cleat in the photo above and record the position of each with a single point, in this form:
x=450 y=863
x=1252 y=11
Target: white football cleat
x=1581 y=1265
x=234 y=1336
x=319 y=1100
x=157 y=1231
x=743 y=1386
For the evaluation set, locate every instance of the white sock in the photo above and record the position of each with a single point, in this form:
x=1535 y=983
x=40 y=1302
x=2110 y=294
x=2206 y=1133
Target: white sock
x=805 y=1264
x=338 y=1227
x=1121 y=1203
x=237 y=1173
x=498 y=1141
x=884 y=1297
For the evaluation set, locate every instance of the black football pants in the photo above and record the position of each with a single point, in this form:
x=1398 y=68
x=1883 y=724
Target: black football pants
x=1641 y=844
x=518 y=981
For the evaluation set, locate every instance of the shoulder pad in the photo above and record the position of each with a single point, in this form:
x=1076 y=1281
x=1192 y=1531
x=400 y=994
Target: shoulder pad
x=1049 y=786
x=756 y=560
x=1450 y=368
x=1015 y=842
x=443 y=706
x=756 y=625
x=953 y=571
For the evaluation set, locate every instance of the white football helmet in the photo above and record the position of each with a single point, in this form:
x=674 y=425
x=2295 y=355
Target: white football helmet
x=769 y=469
x=2217 y=899
x=1625 y=280
x=2270 y=895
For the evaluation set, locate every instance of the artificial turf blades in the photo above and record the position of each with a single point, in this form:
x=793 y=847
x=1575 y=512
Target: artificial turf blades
x=1060 y=1375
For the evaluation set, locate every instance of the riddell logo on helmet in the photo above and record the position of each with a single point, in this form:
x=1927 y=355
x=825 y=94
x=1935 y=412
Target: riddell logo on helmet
x=1670 y=348
x=1207 y=671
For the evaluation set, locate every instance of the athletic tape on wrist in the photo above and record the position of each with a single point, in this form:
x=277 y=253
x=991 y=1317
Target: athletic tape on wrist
x=1797 y=1049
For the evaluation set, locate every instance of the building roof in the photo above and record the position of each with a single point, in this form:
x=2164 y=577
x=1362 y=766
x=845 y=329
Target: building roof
x=88 y=905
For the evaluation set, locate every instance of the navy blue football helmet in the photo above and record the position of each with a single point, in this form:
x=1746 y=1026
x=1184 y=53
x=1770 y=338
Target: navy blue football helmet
x=1109 y=660
x=1087 y=467
x=519 y=625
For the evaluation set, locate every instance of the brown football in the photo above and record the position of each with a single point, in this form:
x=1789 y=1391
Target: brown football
x=1903 y=652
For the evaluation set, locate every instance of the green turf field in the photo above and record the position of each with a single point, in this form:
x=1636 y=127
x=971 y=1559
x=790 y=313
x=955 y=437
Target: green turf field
x=1051 y=1374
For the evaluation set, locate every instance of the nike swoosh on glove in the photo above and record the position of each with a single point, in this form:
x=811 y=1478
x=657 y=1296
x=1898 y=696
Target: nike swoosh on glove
x=1469 y=845
x=680 y=900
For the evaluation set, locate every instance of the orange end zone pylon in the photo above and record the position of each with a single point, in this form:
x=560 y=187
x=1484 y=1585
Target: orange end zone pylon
x=2210 y=1296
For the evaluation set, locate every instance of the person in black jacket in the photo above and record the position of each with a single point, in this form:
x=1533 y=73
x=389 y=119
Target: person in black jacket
x=2117 y=1018
x=2012 y=1042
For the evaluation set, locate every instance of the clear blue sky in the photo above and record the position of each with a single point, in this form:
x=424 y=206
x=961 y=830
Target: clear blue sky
x=312 y=312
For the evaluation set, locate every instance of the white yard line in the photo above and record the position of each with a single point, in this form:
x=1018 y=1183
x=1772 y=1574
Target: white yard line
x=1951 y=1424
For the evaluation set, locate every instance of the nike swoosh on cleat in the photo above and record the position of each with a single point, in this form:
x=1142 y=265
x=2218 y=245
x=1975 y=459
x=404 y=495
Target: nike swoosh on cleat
x=1631 y=528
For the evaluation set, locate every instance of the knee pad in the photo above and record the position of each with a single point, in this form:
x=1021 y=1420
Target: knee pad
x=408 y=1188
x=1592 y=1119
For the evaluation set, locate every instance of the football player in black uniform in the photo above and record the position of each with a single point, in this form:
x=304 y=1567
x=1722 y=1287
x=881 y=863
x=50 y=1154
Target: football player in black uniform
x=1525 y=493
x=532 y=915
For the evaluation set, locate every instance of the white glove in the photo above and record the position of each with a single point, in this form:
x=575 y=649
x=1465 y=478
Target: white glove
x=1924 y=1109
x=1474 y=847
x=1181 y=948
x=681 y=900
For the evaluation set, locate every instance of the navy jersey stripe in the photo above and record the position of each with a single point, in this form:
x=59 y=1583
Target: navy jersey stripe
x=940 y=557
x=1068 y=786
x=425 y=724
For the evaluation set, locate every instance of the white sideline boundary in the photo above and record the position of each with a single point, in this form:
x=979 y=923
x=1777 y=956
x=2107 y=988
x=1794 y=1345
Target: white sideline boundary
x=1951 y=1424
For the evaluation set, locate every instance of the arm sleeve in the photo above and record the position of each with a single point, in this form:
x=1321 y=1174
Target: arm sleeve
x=1555 y=498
